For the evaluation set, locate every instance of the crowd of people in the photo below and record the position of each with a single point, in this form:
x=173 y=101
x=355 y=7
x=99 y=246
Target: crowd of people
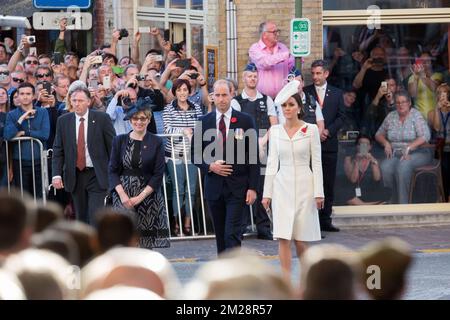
x=274 y=148
x=43 y=256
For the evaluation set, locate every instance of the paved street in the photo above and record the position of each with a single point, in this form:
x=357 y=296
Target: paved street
x=428 y=278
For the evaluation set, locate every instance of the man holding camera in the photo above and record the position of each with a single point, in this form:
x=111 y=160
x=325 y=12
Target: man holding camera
x=118 y=107
x=153 y=96
x=372 y=73
x=27 y=121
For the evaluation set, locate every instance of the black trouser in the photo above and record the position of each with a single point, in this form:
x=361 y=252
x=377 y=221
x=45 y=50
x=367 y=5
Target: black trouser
x=27 y=177
x=261 y=219
x=329 y=162
x=88 y=196
x=226 y=213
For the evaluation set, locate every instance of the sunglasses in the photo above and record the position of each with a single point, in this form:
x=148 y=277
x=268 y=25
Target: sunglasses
x=43 y=75
x=32 y=62
x=143 y=119
x=18 y=80
x=6 y=73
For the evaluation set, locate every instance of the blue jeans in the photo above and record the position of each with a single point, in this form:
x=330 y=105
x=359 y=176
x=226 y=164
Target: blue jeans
x=183 y=190
x=397 y=173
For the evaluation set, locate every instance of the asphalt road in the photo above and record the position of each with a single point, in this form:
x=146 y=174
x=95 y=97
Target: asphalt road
x=428 y=278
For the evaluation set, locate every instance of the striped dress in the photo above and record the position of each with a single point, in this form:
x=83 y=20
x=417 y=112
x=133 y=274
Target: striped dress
x=175 y=121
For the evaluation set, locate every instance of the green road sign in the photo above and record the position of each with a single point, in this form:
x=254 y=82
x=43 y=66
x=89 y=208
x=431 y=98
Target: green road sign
x=300 y=37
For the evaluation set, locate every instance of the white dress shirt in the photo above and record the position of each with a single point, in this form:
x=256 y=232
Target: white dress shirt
x=86 y=128
x=227 y=119
x=321 y=90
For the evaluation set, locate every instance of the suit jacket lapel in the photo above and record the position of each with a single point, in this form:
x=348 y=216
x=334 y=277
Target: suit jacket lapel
x=72 y=131
x=90 y=129
x=233 y=126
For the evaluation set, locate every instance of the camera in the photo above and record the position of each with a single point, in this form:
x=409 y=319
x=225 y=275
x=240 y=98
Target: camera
x=126 y=101
x=183 y=63
x=123 y=33
x=97 y=60
x=140 y=77
x=377 y=60
x=176 y=47
x=31 y=39
x=193 y=76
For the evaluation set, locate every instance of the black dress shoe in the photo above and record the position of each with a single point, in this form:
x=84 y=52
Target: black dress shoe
x=265 y=236
x=330 y=228
x=323 y=237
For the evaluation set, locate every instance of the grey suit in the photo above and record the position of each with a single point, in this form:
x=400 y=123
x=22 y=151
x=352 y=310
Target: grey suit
x=88 y=187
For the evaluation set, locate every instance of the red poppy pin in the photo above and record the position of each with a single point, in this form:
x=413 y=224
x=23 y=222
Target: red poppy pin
x=304 y=129
x=233 y=120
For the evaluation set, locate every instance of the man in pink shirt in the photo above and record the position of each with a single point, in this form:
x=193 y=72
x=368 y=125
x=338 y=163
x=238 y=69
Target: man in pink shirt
x=272 y=58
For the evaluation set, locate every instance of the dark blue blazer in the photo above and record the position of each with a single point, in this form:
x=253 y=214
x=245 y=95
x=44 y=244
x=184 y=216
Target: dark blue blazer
x=152 y=154
x=333 y=113
x=244 y=159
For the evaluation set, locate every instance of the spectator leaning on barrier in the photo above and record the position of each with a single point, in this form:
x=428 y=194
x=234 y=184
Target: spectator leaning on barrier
x=180 y=117
x=272 y=58
x=27 y=121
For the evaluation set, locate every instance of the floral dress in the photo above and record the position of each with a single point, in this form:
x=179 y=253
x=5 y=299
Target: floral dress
x=150 y=214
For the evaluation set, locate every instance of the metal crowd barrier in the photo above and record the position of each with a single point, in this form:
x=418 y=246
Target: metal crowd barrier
x=43 y=165
x=195 y=235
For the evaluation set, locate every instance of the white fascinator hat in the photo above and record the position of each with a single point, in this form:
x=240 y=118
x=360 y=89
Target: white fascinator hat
x=286 y=92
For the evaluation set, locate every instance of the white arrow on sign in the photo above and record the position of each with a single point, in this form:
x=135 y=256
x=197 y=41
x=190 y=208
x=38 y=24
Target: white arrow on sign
x=50 y=20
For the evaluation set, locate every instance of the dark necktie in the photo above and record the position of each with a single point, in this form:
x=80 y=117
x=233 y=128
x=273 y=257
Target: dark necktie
x=223 y=134
x=81 y=149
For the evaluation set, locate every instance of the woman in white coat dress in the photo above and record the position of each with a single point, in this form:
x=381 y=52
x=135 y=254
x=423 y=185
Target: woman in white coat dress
x=295 y=192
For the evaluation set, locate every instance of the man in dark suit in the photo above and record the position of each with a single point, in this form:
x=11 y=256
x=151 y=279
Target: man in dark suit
x=81 y=154
x=225 y=148
x=332 y=103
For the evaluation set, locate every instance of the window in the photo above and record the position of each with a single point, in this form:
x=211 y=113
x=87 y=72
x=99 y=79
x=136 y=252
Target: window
x=385 y=4
x=408 y=38
x=153 y=3
x=197 y=4
x=197 y=42
x=178 y=4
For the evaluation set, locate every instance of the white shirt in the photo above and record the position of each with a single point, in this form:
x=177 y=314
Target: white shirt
x=271 y=111
x=86 y=126
x=321 y=90
x=227 y=119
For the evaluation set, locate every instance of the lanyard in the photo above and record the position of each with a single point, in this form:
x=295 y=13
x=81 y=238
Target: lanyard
x=361 y=172
x=444 y=123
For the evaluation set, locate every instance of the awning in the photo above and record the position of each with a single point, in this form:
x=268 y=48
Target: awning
x=21 y=8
